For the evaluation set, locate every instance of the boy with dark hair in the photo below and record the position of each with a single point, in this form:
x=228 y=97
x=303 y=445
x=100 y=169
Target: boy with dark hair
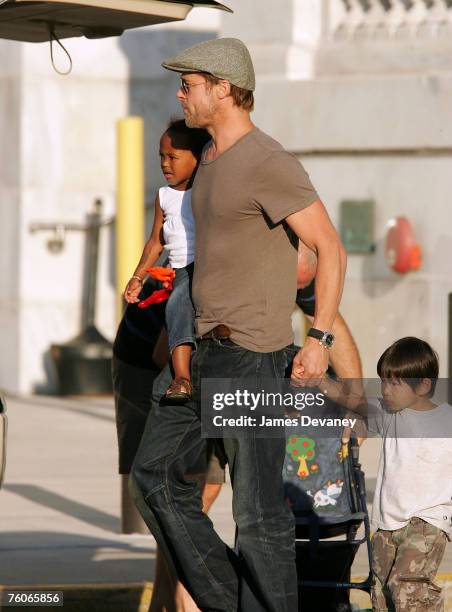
x=410 y=359
x=413 y=496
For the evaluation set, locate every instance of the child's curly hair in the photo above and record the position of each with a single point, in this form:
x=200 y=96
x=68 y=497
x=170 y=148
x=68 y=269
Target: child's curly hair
x=183 y=137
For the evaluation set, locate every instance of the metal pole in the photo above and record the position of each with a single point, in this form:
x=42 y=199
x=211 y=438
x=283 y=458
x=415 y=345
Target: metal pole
x=129 y=246
x=91 y=262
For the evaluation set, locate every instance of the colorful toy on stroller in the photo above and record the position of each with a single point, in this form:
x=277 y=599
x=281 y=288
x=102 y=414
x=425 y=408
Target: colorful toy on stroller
x=324 y=485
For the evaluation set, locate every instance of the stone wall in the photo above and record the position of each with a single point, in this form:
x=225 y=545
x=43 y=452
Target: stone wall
x=59 y=155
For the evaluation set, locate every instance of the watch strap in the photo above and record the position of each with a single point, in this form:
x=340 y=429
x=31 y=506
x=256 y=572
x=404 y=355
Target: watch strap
x=315 y=333
x=325 y=338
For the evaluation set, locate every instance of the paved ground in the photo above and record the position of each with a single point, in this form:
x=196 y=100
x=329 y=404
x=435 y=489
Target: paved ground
x=60 y=504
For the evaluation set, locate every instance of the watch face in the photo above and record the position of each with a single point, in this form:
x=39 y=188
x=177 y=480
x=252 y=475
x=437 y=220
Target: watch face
x=328 y=340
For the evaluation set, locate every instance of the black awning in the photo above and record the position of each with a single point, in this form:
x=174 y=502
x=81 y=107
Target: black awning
x=36 y=21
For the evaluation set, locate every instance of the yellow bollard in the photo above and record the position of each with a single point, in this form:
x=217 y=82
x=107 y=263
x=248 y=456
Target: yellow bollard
x=129 y=246
x=130 y=201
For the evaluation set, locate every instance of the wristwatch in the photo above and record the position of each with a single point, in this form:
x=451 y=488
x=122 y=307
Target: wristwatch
x=325 y=338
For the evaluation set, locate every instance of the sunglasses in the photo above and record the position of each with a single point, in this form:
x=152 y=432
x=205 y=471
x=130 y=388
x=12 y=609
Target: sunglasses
x=185 y=87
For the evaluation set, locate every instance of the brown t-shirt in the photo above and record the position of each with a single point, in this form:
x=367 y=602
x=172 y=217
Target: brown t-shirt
x=245 y=256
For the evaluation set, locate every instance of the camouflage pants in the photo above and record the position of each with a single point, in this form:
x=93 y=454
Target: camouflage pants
x=405 y=563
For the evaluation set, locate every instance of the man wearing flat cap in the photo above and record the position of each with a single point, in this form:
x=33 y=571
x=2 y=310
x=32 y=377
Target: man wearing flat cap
x=251 y=199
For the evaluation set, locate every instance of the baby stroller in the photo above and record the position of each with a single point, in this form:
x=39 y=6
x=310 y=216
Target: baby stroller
x=324 y=485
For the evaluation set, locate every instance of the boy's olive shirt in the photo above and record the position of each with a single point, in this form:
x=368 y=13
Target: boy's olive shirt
x=245 y=255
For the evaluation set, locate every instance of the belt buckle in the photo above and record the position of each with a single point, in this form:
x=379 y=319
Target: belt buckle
x=221 y=332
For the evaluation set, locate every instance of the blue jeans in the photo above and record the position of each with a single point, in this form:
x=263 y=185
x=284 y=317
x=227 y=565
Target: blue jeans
x=180 y=312
x=264 y=577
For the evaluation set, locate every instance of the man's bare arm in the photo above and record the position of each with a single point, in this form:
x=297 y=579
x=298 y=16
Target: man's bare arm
x=344 y=355
x=313 y=226
x=346 y=363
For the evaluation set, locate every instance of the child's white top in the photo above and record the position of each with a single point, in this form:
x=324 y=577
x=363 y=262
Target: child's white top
x=415 y=471
x=178 y=226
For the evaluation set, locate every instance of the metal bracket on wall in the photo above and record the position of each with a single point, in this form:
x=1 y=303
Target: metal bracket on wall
x=56 y=242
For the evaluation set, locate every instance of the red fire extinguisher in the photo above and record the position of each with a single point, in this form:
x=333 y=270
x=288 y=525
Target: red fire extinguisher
x=403 y=254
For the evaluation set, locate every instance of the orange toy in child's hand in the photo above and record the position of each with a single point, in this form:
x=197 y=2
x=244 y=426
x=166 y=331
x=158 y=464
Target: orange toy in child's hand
x=162 y=274
x=156 y=297
x=165 y=276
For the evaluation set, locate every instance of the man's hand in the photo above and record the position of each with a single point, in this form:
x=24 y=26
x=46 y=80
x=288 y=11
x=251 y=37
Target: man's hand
x=310 y=363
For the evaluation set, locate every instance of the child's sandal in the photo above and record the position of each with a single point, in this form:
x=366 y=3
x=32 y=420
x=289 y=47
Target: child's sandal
x=180 y=390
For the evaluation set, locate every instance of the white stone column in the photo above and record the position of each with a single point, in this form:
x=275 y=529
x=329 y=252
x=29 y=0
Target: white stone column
x=282 y=36
x=57 y=156
x=10 y=209
x=68 y=160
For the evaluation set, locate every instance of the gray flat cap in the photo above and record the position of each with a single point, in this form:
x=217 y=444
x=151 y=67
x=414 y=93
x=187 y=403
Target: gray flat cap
x=224 y=58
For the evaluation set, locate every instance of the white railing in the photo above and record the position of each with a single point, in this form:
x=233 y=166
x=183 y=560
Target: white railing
x=390 y=19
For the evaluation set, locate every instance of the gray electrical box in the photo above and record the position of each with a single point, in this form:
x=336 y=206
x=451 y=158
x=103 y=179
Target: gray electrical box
x=357 y=225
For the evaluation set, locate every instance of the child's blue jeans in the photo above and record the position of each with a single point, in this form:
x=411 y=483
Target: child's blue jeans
x=180 y=312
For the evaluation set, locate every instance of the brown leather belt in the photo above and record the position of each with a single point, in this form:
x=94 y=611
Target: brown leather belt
x=220 y=332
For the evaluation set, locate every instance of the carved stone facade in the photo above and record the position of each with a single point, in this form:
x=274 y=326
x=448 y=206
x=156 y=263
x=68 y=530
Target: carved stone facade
x=390 y=36
x=394 y=20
